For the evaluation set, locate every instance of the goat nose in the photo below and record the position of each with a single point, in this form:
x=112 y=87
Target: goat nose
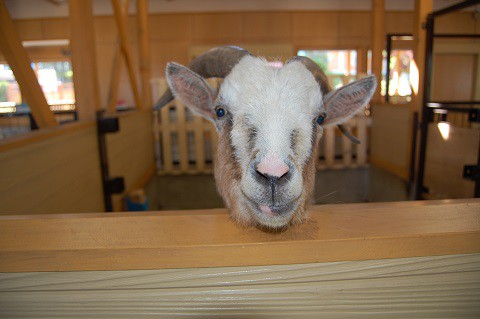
x=272 y=167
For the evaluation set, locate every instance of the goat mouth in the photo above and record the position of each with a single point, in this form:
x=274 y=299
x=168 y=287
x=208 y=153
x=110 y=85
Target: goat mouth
x=272 y=215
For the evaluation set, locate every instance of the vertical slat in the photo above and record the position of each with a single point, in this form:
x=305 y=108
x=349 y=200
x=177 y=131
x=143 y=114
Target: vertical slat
x=329 y=146
x=199 y=143
x=182 y=136
x=362 y=136
x=347 y=146
x=166 y=140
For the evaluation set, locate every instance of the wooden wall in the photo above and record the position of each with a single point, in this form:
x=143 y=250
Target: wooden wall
x=391 y=138
x=179 y=36
x=172 y=36
x=58 y=170
x=445 y=159
x=131 y=152
x=43 y=174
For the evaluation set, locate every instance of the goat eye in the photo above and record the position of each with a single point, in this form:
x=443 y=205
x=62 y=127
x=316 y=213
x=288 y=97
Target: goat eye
x=220 y=112
x=321 y=118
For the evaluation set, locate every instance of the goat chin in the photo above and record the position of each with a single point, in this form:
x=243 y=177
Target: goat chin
x=228 y=177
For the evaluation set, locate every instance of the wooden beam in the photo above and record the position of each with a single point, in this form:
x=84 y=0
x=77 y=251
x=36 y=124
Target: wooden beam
x=124 y=46
x=84 y=62
x=19 y=62
x=208 y=238
x=422 y=9
x=378 y=41
x=144 y=41
x=116 y=66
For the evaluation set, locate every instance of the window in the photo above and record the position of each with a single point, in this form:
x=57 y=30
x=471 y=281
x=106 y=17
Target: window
x=55 y=79
x=403 y=76
x=340 y=66
x=9 y=90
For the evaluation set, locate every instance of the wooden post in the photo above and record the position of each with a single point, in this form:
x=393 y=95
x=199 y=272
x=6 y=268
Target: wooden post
x=117 y=8
x=378 y=40
x=144 y=41
x=422 y=9
x=84 y=62
x=116 y=67
x=19 y=62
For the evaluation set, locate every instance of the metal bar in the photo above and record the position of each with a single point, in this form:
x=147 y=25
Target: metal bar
x=458 y=35
x=387 y=73
x=426 y=112
x=452 y=102
x=102 y=149
x=452 y=109
x=477 y=182
x=401 y=35
x=413 y=150
x=455 y=7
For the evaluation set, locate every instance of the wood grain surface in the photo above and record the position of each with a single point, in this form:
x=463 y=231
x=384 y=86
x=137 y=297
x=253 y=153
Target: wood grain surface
x=422 y=287
x=191 y=239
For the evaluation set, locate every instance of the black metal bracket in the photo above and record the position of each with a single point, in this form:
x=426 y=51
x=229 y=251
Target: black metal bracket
x=471 y=172
x=108 y=125
x=111 y=185
x=474 y=115
x=115 y=185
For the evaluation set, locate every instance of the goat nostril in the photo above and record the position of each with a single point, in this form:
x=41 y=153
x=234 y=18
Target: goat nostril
x=260 y=173
x=284 y=174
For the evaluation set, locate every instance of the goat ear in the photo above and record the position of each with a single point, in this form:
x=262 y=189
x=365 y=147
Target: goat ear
x=343 y=103
x=191 y=89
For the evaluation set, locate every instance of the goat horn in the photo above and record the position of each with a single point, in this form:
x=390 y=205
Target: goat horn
x=215 y=63
x=325 y=87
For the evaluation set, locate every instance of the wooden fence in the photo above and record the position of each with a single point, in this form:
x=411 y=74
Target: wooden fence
x=185 y=143
x=371 y=260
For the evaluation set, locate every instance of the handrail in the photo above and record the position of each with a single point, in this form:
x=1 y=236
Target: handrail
x=186 y=239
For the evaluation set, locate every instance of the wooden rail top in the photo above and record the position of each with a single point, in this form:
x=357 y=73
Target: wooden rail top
x=207 y=238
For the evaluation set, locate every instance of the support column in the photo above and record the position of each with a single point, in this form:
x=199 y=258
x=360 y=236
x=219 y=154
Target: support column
x=19 y=62
x=117 y=66
x=144 y=41
x=117 y=9
x=84 y=62
x=422 y=9
x=378 y=40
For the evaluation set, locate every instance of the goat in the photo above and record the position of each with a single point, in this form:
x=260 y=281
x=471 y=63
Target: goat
x=269 y=122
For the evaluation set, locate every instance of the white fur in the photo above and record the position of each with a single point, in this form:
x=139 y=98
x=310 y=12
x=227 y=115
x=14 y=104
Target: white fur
x=269 y=106
x=275 y=102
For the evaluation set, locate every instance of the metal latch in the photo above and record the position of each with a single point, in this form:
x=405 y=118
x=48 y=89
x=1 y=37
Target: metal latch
x=471 y=172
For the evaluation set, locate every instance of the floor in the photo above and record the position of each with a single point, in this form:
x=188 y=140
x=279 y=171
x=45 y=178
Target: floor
x=332 y=186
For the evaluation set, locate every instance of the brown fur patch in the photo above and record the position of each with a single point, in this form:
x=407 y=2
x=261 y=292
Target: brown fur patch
x=308 y=175
x=228 y=174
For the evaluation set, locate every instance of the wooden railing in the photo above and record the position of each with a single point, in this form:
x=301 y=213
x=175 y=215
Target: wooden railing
x=184 y=239
x=185 y=143
x=384 y=260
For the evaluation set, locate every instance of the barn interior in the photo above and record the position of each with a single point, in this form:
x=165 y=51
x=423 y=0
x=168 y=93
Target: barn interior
x=80 y=137
x=120 y=55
